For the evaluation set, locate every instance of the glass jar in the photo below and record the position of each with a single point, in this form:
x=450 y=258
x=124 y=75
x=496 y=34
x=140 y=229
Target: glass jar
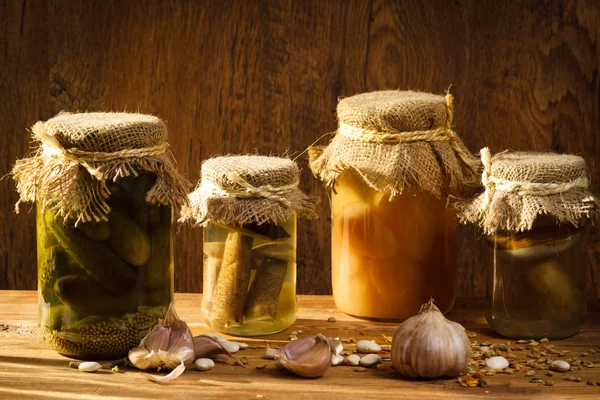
x=103 y=285
x=390 y=256
x=536 y=281
x=250 y=278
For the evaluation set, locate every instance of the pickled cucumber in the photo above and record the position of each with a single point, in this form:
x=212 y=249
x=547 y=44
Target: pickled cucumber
x=84 y=294
x=128 y=240
x=54 y=265
x=157 y=272
x=263 y=296
x=97 y=231
x=97 y=259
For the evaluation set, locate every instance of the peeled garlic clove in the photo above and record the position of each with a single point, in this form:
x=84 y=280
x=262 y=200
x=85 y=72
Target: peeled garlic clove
x=204 y=364
x=369 y=360
x=428 y=345
x=353 y=359
x=367 y=346
x=308 y=357
x=497 y=362
x=89 y=366
x=560 y=365
x=336 y=359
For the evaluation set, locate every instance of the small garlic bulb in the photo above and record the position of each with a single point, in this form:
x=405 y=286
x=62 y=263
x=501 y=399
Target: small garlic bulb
x=428 y=345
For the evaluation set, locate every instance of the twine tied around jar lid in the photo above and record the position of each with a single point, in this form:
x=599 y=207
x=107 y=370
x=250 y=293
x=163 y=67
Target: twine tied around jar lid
x=397 y=141
x=239 y=190
x=79 y=152
x=520 y=186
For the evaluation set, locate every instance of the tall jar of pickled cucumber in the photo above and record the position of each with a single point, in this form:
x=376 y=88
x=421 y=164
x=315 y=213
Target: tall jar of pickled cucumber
x=248 y=206
x=105 y=190
x=535 y=210
x=390 y=169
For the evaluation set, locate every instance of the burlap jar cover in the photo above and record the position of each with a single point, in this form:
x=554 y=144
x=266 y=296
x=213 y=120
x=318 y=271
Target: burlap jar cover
x=520 y=186
x=79 y=152
x=397 y=141
x=240 y=190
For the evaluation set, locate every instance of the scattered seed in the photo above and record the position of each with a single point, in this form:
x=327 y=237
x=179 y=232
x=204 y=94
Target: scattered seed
x=585 y=354
x=549 y=373
x=386 y=358
x=536 y=380
x=591 y=383
x=331 y=319
x=570 y=378
x=578 y=379
x=470 y=381
x=359 y=369
x=386 y=347
x=549 y=383
x=530 y=373
x=369 y=360
x=261 y=366
x=509 y=371
x=522 y=341
x=381 y=366
x=294 y=333
x=544 y=340
x=244 y=360
x=270 y=354
x=481 y=383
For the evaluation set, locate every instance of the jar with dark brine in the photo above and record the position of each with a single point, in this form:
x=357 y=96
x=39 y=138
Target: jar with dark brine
x=534 y=211
x=390 y=168
x=248 y=206
x=104 y=232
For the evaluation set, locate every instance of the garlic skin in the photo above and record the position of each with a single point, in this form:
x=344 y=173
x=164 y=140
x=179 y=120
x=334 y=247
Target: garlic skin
x=428 y=345
x=169 y=345
x=308 y=357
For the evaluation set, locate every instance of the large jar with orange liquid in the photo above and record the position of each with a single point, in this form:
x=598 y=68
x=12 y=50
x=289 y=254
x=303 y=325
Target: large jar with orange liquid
x=391 y=167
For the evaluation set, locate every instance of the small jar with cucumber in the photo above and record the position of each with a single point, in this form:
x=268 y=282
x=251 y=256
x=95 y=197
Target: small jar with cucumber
x=534 y=210
x=248 y=207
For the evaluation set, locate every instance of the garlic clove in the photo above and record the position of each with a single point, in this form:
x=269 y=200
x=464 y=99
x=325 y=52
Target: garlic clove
x=308 y=357
x=158 y=338
x=427 y=345
x=206 y=346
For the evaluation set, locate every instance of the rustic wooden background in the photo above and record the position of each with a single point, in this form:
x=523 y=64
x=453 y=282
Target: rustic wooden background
x=264 y=76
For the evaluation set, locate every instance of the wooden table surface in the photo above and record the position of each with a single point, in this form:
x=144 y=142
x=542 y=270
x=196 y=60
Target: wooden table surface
x=29 y=370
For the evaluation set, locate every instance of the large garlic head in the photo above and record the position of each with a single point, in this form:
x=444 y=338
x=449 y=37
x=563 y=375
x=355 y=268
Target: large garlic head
x=428 y=345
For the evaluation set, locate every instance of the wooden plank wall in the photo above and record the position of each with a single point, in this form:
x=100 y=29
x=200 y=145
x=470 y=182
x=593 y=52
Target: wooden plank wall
x=264 y=76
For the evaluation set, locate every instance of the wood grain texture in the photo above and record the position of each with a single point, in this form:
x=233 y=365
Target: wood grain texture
x=264 y=76
x=30 y=370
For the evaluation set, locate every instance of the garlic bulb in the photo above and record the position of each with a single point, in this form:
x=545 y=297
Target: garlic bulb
x=428 y=345
x=308 y=357
x=168 y=346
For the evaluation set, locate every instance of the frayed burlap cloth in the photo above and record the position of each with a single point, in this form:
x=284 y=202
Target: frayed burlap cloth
x=79 y=152
x=521 y=186
x=397 y=141
x=238 y=190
